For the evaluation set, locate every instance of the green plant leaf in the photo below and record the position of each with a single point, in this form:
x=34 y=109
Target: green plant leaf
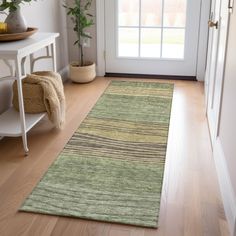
x=12 y=5
x=81 y=19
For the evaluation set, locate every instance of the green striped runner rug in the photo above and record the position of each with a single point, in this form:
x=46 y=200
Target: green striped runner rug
x=112 y=168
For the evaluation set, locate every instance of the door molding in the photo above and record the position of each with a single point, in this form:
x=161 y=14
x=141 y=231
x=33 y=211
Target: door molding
x=100 y=23
x=203 y=39
x=202 y=43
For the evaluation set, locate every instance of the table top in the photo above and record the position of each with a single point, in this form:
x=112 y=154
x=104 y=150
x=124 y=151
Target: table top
x=27 y=45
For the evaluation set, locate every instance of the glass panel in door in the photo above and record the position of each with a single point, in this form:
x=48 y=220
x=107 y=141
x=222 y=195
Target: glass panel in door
x=151 y=28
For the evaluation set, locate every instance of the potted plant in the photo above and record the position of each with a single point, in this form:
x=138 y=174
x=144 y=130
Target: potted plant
x=81 y=71
x=15 y=20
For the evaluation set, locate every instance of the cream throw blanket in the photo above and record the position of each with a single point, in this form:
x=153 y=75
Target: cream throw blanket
x=43 y=91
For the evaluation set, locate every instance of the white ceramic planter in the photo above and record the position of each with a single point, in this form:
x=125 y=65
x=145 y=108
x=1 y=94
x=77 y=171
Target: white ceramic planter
x=16 y=22
x=82 y=74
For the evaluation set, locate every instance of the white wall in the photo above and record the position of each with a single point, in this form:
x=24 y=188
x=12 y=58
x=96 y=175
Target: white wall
x=47 y=16
x=225 y=146
x=228 y=115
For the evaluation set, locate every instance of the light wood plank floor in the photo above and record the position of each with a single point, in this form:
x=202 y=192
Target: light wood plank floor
x=191 y=204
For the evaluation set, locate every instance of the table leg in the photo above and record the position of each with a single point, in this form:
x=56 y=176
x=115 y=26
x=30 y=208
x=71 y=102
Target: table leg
x=31 y=63
x=23 y=66
x=53 y=57
x=21 y=105
x=54 y=62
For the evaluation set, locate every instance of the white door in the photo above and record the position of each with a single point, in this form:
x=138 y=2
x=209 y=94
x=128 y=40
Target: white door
x=212 y=48
x=216 y=62
x=157 y=37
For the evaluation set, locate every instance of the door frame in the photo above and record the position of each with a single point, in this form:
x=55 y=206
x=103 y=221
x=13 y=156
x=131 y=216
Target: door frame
x=202 y=42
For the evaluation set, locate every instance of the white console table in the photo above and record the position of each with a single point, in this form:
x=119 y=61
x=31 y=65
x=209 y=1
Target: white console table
x=13 y=123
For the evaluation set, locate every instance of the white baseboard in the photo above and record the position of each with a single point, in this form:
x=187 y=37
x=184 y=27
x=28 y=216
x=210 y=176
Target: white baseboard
x=227 y=192
x=64 y=73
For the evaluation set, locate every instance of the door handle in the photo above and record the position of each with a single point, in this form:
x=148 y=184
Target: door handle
x=212 y=24
x=231 y=6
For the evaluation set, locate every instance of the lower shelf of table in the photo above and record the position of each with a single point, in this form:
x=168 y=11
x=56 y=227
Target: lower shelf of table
x=10 y=124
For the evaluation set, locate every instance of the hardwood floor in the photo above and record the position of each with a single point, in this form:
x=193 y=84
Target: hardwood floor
x=191 y=204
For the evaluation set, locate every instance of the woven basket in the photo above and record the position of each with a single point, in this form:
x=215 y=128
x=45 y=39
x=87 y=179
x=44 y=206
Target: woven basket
x=33 y=98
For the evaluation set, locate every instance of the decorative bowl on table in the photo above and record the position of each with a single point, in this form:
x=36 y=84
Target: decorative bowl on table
x=18 y=36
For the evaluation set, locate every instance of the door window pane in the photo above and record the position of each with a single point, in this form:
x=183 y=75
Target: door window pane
x=151 y=43
x=151 y=12
x=128 y=12
x=175 y=13
x=128 y=42
x=151 y=28
x=173 y=43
